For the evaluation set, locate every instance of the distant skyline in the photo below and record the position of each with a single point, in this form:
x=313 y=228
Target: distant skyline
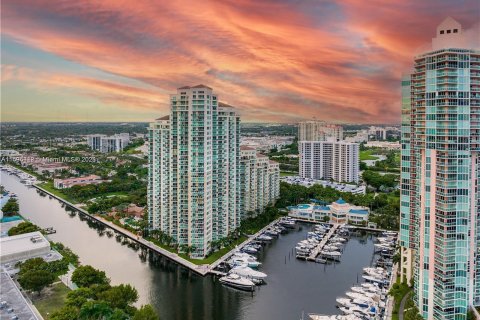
x=275 y=61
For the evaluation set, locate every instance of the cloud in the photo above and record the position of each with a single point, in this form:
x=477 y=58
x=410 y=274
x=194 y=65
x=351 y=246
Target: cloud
x=275 y=60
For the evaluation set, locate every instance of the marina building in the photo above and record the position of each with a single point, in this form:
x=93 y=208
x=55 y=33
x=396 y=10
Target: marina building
x=315 y=130
x=329 y=160
x=196 y=191
x=107 y=144
x=336 y=212
x=440 y=176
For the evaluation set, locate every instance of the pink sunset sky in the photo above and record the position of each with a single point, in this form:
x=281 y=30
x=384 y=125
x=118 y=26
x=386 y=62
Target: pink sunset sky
x=276 y=61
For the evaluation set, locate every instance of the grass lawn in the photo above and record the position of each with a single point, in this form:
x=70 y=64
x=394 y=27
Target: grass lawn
x=208 y=260
x=109 y=195
x=49 y=187
x=367 y=155
x=51 y=300
x=288 y=173
x=216 y=255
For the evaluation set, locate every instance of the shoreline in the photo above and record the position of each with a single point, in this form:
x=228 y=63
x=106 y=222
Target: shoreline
x=203 y=269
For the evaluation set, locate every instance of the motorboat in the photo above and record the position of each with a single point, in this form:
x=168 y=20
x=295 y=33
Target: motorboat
x=264 y=237
x=287 y=223
x=354 y=295
x=241 y=260
x=374 y=280
x=238 y=282
x=334 y=317
x=249 y=249
x=345 y=302
x=249 y=273
x=320 y=260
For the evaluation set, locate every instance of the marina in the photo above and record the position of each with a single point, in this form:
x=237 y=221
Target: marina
x=177 y=292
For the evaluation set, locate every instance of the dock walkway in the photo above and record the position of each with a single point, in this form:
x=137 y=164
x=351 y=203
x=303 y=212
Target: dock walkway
x=244 y=243
x=322 y=243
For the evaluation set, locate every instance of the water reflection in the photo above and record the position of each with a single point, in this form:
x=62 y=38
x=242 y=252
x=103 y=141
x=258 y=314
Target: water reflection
x=292 y=286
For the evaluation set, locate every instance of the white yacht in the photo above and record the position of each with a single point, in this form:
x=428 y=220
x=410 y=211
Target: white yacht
x=240 y=261
x=235 y=281
x=249 y=273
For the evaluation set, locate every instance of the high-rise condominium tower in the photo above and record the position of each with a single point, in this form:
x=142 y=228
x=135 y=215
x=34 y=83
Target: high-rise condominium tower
x=194 y=170
x=326 y=160
x=440 y=214
x=200 y=185
x=314 y=130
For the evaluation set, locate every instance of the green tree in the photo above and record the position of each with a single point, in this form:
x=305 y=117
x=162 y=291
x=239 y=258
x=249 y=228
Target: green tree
x=119 y=315
x=36 y=280
x=11 y=208
x=119 y=297
x=85 y=276
x=145 y=312
x=95 y=310
x=77 y=298
x=66 y=313
x=23 y=227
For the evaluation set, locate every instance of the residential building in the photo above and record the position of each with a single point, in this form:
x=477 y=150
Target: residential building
x=259 y=181
x=194 y=170
x=315 y=130
x=439 y=223
x=377 y=133
x=158 y=188
x=337 y=212
x=107 y=144
x=77 y=181
x=327 y=160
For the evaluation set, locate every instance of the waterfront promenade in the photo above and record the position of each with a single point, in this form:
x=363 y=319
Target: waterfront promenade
x=202 y=270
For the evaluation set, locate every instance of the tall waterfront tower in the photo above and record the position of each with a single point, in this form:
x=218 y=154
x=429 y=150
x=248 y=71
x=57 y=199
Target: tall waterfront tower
x=194 y=170
x=440 y=176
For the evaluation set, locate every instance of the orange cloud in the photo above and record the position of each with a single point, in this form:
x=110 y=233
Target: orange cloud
x=275 y=60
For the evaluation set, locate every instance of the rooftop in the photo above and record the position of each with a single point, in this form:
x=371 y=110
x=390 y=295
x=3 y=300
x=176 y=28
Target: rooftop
x=23 y=242
x=14 y=298
x=167 y=117
x=195 y=87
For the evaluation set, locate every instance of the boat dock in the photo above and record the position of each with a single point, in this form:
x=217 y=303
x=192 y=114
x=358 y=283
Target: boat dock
x=322 y=243
x=244 y=243
x=202 y=270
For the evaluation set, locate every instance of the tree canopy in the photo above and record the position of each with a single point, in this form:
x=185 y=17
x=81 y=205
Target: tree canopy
x=86 y=276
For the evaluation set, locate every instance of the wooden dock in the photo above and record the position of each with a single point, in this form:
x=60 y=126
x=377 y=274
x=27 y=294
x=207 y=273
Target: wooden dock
x=322 y=243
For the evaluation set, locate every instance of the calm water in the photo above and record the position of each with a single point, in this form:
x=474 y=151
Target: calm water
x=293 y=286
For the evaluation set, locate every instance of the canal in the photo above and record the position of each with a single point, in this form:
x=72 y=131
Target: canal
x=293 y=287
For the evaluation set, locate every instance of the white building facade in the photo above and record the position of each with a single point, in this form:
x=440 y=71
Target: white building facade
x=259 y=181
x=325 y=160
x=108 y=144
x=315 y=130
x=196 y=192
